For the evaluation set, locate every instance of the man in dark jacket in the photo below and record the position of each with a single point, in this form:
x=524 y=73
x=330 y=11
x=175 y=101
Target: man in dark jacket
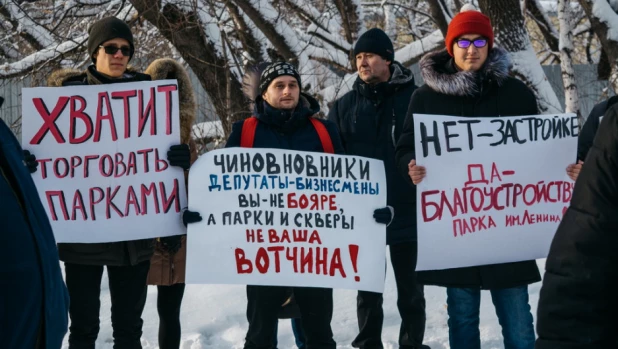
x=471 y=79
x=578 y=304
x=110 y=45
x=370 y=119
x=33 y=298
x=586 y=136
x=284 y=121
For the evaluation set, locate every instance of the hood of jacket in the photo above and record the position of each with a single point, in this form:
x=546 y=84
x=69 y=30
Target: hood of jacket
x=440 y=74
x=287 y=120
x=400 y=77
x=160 y=69
x=167 y=68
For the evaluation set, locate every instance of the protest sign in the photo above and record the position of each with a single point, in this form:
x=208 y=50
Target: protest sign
x=103 y=174
x=287 y=218
x=495 y=190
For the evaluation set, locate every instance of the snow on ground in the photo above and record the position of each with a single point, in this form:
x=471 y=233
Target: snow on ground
x=213 y=316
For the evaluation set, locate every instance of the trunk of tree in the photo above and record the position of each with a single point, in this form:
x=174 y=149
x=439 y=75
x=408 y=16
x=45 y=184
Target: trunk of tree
x=571 y=98
x=186 y=33
x=268 y=29
x=510 y=33
x=351 y=22
x=604 y=70
x=536 y=11
x=441 y=14
x=249 y=43
x=603 y=19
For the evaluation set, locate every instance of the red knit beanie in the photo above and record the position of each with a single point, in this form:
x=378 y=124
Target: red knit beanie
x=468 y=21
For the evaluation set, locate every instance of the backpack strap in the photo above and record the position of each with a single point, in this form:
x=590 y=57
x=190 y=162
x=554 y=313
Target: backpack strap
x=249 y=126
x=327 y=143
x=247 y=135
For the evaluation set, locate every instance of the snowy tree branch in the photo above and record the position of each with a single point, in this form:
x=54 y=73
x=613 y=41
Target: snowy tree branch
x=537 y=13
x=276 y=39
x=38 y=58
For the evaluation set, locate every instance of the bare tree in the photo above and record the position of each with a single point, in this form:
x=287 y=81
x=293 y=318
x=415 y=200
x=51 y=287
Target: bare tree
x=604 y=20
x=441 y=14
x=510 y=33
x=571 y=97
x=535 y=10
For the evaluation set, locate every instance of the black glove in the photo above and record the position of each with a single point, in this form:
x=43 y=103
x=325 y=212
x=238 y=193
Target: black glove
x=384 y=215
x=179 y=155
x=190 y=217
x=30 y=161
x=171 y=243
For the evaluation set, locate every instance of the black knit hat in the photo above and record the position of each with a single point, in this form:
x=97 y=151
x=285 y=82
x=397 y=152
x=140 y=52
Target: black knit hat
x=375 y=41
x=106 y=29
x=276 y=70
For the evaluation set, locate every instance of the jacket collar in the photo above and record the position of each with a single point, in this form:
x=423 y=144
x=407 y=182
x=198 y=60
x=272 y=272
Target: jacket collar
x=287 y=120
x=400 y=77
x=440 y=75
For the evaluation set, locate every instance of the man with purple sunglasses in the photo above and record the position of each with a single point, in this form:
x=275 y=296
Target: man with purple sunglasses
x=470 y=78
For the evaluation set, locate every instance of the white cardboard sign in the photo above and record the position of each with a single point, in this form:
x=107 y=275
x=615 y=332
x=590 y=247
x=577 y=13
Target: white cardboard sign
x=495 y=190
x=102 y=150
x=287 y=218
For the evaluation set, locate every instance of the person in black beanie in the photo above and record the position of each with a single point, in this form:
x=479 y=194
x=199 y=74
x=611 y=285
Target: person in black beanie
x=370 y=119
x=111 y=47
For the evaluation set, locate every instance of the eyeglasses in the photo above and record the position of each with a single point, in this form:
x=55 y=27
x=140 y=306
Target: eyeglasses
x=111 y=50
x=478 y=43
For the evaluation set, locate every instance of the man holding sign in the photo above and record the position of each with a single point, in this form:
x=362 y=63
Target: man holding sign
x=284 y=119
x=110 y=47
x=470 y=78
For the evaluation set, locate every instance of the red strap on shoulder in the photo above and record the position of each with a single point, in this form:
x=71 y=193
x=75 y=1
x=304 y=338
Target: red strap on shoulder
x=247 y=135
x=327 y=143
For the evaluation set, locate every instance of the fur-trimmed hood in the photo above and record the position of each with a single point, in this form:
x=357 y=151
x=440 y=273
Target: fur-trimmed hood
x=167 y=68
x=160 y=69
x=437 y=69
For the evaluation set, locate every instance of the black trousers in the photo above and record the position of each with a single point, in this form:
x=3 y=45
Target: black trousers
x=410 y=303
x=127 y=288
x=316 y=309
x=169 y=299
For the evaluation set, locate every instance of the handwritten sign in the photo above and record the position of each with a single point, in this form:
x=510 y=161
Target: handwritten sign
x=103 y=174
x=288 y=218
x=496 y=188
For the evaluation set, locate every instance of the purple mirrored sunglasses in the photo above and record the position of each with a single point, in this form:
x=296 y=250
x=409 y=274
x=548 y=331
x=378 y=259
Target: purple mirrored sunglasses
x=478 y=43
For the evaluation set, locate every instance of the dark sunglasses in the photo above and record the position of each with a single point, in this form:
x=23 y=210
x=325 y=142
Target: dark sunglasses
x=478 y=43
x=111 y=50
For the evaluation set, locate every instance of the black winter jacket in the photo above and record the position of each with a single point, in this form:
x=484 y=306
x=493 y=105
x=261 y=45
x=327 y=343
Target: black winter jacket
x=122 y=253
x=280 y=129
x=370 y=120
x=491 y=93
x=33 y=298
x=589 y=130
x=578 y=303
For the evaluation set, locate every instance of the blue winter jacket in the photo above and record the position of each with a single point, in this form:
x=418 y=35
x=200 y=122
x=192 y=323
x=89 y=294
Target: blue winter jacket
x=33 y=297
